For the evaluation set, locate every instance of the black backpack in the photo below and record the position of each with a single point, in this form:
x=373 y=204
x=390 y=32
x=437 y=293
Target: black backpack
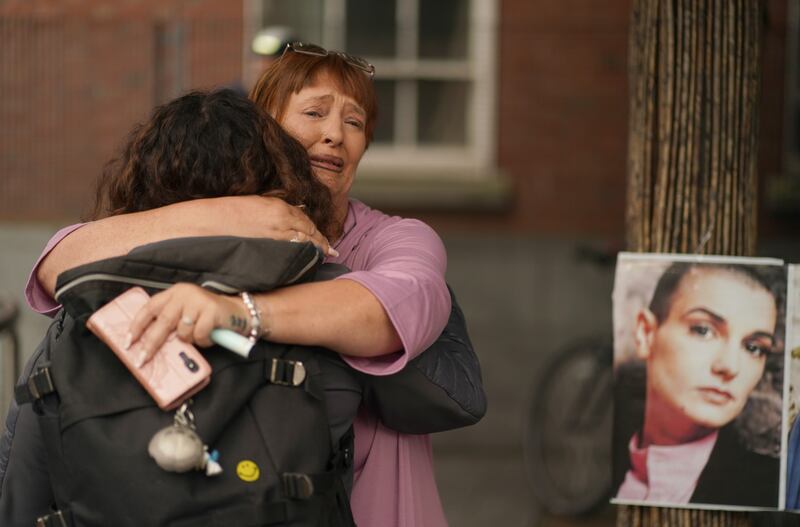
x=270 y=425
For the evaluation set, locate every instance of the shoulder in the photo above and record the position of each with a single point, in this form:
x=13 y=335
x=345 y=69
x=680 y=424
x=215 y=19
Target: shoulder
x=379 y=228
x=377 y=220
x=735 y=475
x=730 y=445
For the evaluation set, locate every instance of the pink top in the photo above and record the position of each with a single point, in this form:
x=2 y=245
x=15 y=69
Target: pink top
x=39 y=300
x=402 y=262
x=665 y=474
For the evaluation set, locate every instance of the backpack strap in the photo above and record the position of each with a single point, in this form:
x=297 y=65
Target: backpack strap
x=38 y=385
x=304 y=486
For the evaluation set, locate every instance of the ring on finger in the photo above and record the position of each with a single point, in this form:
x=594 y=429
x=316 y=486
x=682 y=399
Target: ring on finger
x=187 y=320
x=296 y=237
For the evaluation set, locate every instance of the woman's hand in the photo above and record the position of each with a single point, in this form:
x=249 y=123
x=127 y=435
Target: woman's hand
x=271 y=218
x=188 y=310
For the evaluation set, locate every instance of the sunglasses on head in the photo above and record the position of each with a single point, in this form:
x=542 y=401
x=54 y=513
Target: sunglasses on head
x=319 y=51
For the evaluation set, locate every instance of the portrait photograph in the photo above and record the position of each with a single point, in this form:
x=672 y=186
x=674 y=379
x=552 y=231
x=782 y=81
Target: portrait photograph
x=698 y=381
x=793 y=390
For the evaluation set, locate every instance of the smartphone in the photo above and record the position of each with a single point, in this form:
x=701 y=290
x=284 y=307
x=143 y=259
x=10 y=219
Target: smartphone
x=177 y=370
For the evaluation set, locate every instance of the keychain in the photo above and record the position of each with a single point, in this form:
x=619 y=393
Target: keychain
x=178 y=448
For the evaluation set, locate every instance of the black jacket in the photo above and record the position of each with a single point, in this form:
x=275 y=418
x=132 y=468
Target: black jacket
x=733 y=475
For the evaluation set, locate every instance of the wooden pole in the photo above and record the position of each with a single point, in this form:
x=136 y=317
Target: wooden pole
x=694 y=72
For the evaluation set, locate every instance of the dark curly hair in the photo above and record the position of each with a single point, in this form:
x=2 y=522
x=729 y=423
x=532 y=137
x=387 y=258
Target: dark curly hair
x=210 y=144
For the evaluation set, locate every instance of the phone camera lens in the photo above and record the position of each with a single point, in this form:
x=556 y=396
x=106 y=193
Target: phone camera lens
x=189 y=362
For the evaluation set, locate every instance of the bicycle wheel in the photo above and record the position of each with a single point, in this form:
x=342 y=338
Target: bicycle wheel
x=567 y=442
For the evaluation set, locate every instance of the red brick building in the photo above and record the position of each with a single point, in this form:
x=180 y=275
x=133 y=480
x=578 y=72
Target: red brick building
x=75 y=75
x=509 y=137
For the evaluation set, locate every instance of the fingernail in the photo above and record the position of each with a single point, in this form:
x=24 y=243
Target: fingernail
x=140 y=359
x=333 y=252
x=128 y=339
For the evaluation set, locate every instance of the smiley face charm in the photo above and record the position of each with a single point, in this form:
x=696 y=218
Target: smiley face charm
x=248 y=471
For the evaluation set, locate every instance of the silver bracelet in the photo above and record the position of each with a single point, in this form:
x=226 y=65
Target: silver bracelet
x=256 y=329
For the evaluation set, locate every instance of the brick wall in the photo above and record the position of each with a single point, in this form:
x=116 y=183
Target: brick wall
x=76 y=76
x=770 y=163
x=562 y=119
x=90 y=67
x=563 y=106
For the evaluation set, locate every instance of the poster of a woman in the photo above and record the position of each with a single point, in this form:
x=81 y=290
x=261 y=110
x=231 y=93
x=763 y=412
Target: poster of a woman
x=793 y=403
x=698 y=354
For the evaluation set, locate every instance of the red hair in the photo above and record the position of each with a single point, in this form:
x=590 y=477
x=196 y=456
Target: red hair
x=294 y=71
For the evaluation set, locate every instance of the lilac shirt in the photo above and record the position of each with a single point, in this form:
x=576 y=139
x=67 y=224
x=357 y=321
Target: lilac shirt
x=665 y=474
x=402 y=262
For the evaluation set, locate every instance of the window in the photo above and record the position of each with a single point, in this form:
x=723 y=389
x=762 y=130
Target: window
x=435 y=77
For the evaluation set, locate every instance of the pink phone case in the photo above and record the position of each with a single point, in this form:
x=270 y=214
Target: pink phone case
x=177 y=370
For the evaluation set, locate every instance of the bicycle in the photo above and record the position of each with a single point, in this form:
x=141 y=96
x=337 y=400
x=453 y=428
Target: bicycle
x=567 y=444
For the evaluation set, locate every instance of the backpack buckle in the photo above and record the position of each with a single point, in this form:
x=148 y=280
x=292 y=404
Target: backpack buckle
x=55 y=519
x=287 y=372
x=296 y=485
x=38 y=385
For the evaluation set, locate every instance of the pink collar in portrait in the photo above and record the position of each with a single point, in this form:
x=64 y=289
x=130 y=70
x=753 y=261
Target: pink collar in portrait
x=665 y=474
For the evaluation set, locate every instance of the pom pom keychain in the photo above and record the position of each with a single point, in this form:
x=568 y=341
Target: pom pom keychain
x=178 y=448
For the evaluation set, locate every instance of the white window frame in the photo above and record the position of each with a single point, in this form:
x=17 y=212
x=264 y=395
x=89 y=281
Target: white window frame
x=476 y=160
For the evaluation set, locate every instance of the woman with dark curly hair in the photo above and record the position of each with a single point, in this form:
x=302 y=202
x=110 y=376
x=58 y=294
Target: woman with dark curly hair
x=201 y=145
x=206 y=145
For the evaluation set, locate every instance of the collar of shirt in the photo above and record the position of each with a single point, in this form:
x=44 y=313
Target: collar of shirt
x=666 y=473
